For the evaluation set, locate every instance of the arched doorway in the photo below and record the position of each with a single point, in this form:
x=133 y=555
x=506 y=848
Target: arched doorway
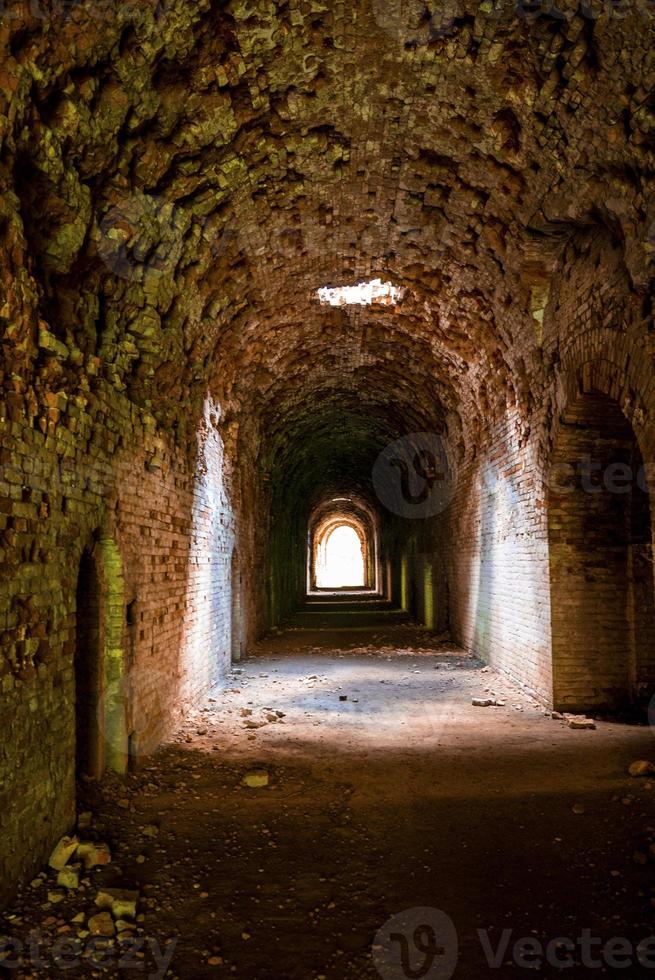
x=235 y=614
x=343 y=546
x=601 y=573
x=340 y=562
x=101 y=739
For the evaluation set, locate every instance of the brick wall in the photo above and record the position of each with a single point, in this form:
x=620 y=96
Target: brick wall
x=498 y=559
x=94 y=464
x=496 y=534
x=169 y=207
x=599 y=534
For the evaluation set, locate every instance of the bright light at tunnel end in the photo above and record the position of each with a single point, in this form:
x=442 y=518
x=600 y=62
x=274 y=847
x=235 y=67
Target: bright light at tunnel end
x=363 y=294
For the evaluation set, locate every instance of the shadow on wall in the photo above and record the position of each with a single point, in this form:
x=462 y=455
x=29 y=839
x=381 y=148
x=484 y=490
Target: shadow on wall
x=147 y=692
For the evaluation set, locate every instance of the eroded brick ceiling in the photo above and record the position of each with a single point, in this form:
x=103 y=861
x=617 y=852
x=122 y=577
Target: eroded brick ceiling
x=181 y=177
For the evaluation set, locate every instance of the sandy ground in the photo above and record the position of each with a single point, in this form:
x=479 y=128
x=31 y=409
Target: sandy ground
x=387 y=791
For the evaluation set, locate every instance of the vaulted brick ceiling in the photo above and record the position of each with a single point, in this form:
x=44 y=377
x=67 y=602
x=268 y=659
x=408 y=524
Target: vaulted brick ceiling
x=189 y=173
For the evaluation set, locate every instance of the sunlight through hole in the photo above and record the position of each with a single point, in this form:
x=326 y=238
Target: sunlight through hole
x=363 y=294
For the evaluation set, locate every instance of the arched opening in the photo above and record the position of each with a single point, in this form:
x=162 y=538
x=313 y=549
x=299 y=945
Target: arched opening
x=343 y=547
x=340 y=559
x=101 y=739
x=235 y=612
x=89 y=755
x=601 y=573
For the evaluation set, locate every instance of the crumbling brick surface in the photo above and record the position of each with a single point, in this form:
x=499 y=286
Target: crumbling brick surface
x=177 y=179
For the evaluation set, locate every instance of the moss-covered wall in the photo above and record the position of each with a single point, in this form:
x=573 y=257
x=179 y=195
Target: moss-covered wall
x=164 y=536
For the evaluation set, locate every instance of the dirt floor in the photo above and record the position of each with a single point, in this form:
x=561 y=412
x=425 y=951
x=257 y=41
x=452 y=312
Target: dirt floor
x=388 y=792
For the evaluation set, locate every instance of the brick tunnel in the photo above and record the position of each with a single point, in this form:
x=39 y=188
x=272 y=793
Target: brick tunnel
x=327 y=427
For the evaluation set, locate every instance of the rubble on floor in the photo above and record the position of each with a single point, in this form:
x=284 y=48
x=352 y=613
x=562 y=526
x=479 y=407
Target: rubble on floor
x=298 y=833
x=579 y=722
x=256 y=778
x=641 y=768
x=80 y=906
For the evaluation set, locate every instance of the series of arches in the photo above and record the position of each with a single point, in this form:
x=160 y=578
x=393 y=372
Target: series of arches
x=600 y=556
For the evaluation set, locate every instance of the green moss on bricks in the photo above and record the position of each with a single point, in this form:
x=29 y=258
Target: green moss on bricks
x=428 y=596
x=114 y=721
x=404 y=584
x=49 y=343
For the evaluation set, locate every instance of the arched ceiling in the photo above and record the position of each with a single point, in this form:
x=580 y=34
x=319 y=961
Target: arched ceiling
x=181 y=178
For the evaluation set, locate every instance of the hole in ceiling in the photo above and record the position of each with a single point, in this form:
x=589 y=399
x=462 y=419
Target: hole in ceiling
x=363 y=294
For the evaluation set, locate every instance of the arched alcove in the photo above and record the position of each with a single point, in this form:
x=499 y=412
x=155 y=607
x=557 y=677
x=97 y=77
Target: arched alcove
x=101 y=738
x=600 y=547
